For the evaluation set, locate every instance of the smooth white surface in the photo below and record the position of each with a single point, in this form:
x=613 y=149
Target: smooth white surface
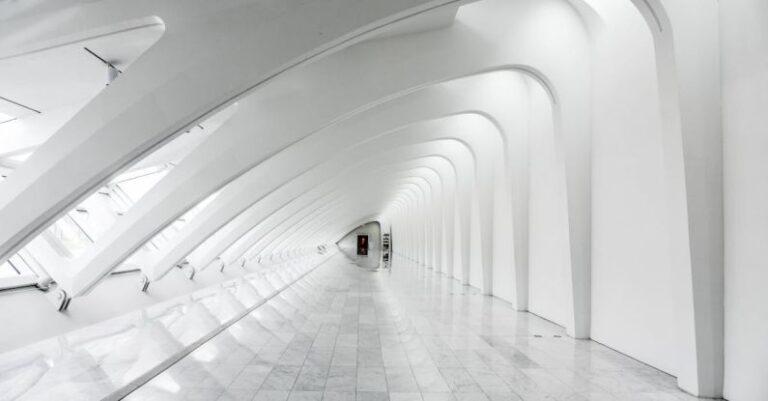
x=633 y=285
x=359 y=333
x=549 y=258
x=745 y=93
x=108 y=360
x=571 y=157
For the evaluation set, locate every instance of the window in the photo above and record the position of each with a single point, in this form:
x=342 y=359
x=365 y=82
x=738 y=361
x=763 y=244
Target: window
x=16 y=272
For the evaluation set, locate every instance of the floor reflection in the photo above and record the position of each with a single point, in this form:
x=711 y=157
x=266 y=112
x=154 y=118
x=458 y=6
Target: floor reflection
x=110 y=358
x=372 y=261
x=343 y=333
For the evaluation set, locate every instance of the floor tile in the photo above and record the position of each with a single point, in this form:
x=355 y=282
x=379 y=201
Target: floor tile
x=347 y=333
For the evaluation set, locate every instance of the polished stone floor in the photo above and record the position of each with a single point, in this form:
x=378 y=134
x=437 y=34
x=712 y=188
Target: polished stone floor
x=349 y=332
x=109 y=359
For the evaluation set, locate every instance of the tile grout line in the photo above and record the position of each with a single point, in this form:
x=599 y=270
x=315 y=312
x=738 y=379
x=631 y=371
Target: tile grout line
x=269 y=372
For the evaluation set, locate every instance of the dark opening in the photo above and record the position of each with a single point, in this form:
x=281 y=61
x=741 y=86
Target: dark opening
x=362 y=245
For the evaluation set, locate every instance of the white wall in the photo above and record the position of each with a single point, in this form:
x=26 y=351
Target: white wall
x=632 y=286
x=549 y=260
x=744 y=30
x=475 y=248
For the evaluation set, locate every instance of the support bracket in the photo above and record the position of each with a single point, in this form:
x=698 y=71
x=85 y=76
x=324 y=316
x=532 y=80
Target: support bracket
x=144 y=283
x=59 y=298
x=190 y=272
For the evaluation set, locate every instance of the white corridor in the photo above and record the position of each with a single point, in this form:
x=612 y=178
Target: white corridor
x=351 y=332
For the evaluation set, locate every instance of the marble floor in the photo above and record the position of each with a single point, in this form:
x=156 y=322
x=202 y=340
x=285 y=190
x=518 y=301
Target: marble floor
x=107 y=360
x=350 y=332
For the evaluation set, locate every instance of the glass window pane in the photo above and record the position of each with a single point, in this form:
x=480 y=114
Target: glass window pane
x=71 y=236
x=6 y=270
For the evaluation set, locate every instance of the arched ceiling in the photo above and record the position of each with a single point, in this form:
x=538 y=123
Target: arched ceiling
x=306 y=119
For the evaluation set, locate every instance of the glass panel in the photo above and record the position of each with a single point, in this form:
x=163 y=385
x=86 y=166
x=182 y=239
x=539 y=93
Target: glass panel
x=171 y=231
x=15 y=266
x=137 y=183
x=7 y=270
x=189 y=215
x=20 y=265
x=71 y=236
